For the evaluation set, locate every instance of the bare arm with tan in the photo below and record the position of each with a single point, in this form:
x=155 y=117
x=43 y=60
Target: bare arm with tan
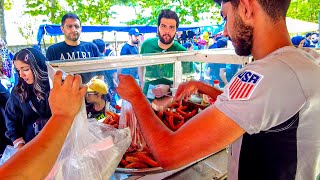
x=41 y=153
x=185 y=90
x=207 y=132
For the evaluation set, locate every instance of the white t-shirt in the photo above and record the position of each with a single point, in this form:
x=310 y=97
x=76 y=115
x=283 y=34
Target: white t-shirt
x=276 y=100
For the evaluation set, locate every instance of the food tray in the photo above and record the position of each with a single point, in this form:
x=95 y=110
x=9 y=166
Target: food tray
x=142 y=171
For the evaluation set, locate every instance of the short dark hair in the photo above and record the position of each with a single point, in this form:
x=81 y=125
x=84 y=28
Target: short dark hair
x=276 y=9
x=308 y=34
x=100 y=44
x=69 y=15
x=168 y=14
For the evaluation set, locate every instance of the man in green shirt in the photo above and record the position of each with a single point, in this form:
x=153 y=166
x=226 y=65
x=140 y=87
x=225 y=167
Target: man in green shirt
x=168 y=23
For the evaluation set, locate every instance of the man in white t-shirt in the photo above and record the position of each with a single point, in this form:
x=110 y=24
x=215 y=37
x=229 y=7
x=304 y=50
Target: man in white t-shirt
x=269 y=111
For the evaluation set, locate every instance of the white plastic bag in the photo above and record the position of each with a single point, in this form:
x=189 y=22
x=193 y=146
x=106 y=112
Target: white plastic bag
x=128 y=119
x=92 y=150
x=7 y=154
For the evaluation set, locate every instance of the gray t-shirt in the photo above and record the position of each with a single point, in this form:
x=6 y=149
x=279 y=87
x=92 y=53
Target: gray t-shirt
x=276 y=101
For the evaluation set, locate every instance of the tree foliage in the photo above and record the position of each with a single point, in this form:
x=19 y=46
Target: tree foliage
x=188 y=10
x=98 y=11
x=89 y=11
x=307 y=10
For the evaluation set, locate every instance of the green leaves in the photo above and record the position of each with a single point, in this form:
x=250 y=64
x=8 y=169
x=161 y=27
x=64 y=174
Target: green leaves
x=98 y=11
x=306 y=10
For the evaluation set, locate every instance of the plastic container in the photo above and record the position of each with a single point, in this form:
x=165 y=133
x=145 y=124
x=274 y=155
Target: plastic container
x=216 y=84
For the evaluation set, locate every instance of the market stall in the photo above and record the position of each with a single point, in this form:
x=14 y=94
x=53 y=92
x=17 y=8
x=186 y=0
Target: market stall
x=210 y=167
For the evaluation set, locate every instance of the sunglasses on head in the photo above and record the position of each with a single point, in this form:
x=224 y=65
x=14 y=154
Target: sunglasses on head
x=92 y=93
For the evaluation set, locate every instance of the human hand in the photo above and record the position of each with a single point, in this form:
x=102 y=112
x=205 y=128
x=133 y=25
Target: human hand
x=160 y=90
x=66 y=98
x=20 y=146
x=128 y=88
x=185 y=90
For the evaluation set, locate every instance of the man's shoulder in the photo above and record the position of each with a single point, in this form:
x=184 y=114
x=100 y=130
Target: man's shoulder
x=85 y=43
x=150 y=40
x=178 y=46
x=56 y=45
x=125 y=46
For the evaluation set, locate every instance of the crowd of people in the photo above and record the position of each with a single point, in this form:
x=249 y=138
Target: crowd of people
x=310 y=40
x=267 y=112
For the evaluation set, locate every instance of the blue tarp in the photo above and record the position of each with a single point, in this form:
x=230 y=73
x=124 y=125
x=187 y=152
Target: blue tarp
x=54 y=29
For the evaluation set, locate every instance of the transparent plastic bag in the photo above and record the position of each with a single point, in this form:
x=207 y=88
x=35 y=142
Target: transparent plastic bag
x=128 y=119
x=92 y=150
x=7 y=154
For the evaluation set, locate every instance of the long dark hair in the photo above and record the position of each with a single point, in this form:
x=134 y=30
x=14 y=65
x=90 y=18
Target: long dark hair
x=36 y=60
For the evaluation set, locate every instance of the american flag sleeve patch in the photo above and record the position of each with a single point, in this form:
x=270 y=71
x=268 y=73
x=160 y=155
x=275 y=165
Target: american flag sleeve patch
x=243 y=85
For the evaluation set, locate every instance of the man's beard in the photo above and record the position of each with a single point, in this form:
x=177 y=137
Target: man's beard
x=135 y=42
x=163 y=41
x=76 y=38
x=243 y=37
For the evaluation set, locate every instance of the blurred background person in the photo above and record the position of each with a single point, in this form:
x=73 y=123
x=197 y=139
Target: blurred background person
x=7 y=64
x=101 y=46
x=188 y=46
x=299 y=41
x=110 y=76
x=131 y=48
x=315 y=40
x=4 y=141
x=109 y=50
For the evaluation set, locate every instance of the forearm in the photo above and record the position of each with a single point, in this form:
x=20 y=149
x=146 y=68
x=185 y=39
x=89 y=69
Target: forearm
x=208 y=90
x=154 y=131
x=40 y=153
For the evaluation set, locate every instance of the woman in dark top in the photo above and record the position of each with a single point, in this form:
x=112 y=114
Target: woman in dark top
x=28 y=108
x=4 y=96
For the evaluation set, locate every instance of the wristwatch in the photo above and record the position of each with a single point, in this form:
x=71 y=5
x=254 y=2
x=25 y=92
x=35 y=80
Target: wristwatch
x=19 y=142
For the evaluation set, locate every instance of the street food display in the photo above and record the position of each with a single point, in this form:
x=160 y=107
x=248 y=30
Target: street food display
x=140 y=161
x=138 y=158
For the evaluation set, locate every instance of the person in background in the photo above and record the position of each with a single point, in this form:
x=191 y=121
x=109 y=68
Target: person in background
x=110 y=77
x=4 y=141
x=168 y=23
x=221 y=42
x=188 y=46
x=298 y=41
x=308 y=39
x=109 y=51
x=5 y=81
x=7 y=64
x=72 y=47
x=42 y=152
x=97 y=100
x=269 y=112
x=28 y=108
x=218 y=71
x=315 y=40
x=101 y=46
x=130 y=48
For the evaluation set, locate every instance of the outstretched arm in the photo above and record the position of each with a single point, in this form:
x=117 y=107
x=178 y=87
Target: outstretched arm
x=185 y=90
x=35 y=159
x=204 y=134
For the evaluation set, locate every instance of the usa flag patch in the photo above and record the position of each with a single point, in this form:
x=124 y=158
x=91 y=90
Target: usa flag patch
x=243 y=85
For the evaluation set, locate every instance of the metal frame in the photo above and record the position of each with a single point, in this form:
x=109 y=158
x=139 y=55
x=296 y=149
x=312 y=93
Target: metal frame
x=107 y=63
